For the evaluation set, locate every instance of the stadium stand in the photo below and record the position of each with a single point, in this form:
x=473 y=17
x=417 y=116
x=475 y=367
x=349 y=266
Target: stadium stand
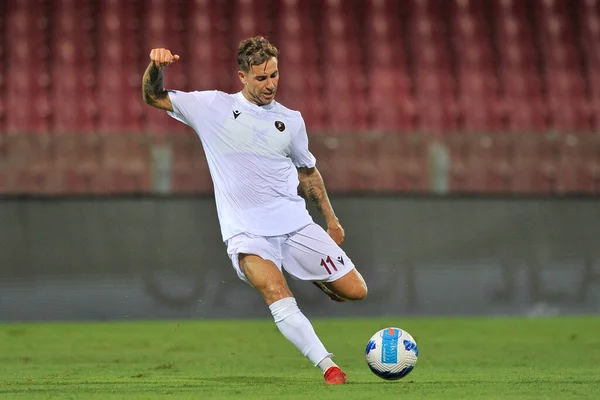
x=509 y=88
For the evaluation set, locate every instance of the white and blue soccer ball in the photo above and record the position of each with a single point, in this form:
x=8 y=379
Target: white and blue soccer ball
x=392 y=353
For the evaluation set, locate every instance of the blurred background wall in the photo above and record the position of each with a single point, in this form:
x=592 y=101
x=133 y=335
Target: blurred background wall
x=458 y=138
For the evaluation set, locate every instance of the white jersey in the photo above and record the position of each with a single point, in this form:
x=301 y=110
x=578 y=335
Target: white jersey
x=252 y=153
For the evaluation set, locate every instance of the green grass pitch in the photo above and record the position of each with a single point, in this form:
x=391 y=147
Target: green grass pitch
x=459 y=358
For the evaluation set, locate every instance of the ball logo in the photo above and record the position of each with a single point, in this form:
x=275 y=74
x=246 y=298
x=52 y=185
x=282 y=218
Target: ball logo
x=370 y=346
x=280 y=126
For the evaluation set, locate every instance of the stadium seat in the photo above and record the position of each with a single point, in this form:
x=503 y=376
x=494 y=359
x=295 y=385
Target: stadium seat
x=590 y=32
x=251 y=18
x=516 y=56
x=568 y=104
x=360 y=73
x=211 y=52
x=344 y=103
x=119 y=68
x=478 y=100
x=390 y=102
x=27 y=44
x=163 y=27
x=435 y=104
x=73 y=67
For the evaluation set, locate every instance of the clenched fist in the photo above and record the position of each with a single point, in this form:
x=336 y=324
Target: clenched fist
x=162 y=57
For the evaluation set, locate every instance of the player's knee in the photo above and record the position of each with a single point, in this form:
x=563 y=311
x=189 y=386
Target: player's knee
x=359 y=288
x=358 y=292
x=273 y=292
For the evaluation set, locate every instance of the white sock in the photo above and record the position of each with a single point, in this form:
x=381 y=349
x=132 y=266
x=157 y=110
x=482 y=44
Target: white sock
x=326 y=363
x=298 y=329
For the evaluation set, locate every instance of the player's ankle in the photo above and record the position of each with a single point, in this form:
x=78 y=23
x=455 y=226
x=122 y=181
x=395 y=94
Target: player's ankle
x=326 y=363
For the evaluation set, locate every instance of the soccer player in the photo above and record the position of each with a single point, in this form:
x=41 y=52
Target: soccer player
x=257 y=153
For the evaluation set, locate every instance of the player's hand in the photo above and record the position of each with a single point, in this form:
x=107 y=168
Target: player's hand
x=162 y=57
x=336 y=232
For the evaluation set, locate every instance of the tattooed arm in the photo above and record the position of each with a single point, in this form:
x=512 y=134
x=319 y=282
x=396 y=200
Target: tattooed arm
x=153 y=91
x=313 y=186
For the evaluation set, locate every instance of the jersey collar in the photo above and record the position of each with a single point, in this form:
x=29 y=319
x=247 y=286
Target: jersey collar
x=244 y=100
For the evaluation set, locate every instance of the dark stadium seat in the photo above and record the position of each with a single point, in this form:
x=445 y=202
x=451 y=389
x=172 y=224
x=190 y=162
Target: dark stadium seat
x=390 y=103
x=27 y=57
x=251 y=18
x=32 y=114
x=435 y=103
x=514 y=56
x=567 y=101
x=344 y=105
x=364 y=74
x=120 y=68
x=3 y=17
x=73 y=67
x=342 y=69
x=163 y=26
x=207 y=61
x=302 y=78
x=523 y=103
x=589 y=15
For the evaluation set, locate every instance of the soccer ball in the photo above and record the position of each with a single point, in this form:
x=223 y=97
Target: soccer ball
x=392 y=353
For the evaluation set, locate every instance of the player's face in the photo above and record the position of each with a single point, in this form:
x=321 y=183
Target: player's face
x=260 y=83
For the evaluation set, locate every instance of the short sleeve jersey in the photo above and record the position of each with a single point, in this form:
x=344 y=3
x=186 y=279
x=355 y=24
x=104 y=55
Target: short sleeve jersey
x=252 y=153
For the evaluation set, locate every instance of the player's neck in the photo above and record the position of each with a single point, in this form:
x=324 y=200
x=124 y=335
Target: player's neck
x=253 y=100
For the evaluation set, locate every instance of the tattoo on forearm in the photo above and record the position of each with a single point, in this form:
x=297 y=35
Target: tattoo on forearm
x=314 y=189
x=153 y=82
x=314 y=195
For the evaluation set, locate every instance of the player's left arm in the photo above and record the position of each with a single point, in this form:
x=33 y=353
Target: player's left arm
x=313 y=186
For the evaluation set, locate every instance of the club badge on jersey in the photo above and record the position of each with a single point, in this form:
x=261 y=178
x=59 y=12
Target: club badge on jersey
x=280 y=126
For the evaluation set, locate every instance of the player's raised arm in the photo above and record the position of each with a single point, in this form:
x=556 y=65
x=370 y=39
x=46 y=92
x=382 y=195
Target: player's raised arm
x=153 y=90
x=313 y=186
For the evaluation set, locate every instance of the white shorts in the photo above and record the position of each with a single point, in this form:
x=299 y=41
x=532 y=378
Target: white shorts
x=309 y=254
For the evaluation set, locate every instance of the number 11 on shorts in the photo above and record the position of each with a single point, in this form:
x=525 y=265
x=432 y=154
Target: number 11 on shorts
x=324 y=264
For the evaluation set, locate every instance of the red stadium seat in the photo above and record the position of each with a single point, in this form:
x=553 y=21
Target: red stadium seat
x=435 y=104
x=515 y=56
x=27 y=44
x=251 y=18
x=344 y=112
x=163 y=27
x=211 y=53
x=590 y=31
x=73 y=67
x=120 y=70
x=389 y=100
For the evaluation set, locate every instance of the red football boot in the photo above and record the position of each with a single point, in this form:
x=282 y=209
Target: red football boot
x=334 y=376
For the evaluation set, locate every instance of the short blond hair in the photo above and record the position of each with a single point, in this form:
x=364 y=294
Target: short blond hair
x=254 y=51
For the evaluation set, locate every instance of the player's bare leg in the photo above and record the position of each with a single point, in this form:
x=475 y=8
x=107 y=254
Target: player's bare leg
x=351 y=286
x=265 y=277
x=270 y=282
